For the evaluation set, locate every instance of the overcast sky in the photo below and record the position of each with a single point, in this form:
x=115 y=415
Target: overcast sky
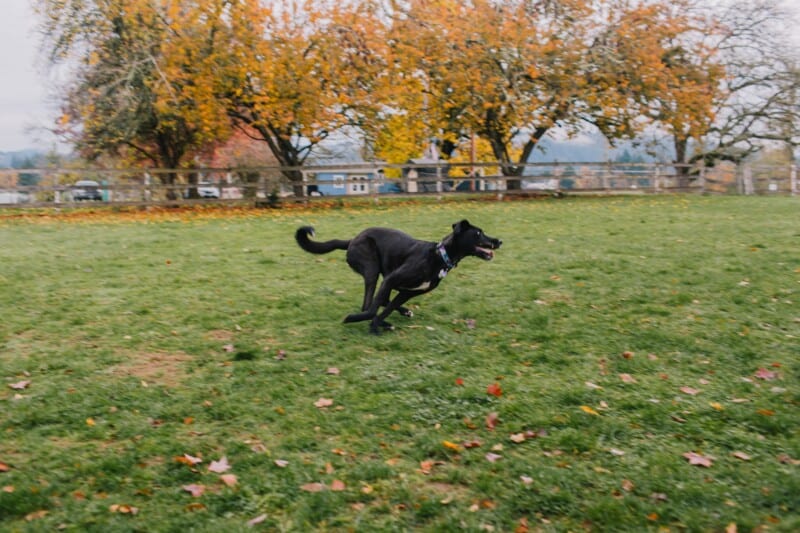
x=24 y=108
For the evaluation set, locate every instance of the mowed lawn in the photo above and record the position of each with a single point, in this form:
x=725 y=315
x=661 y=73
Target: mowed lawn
x=624 y=364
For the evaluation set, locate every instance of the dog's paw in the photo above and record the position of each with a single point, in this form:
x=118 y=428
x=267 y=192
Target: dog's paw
x=406 y=312
x=387 y=326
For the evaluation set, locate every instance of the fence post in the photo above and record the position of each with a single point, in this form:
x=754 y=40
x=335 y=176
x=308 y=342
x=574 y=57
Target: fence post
x=657 y=179
x=793 y=179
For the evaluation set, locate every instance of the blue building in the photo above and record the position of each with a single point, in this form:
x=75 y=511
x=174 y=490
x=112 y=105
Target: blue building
x=350 y=182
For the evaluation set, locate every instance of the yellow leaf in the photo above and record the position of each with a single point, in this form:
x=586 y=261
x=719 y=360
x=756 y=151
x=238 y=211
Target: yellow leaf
x=90 y=422
x=589 y=410
x=451 y=446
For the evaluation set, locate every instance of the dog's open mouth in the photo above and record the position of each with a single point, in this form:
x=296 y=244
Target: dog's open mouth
x=484 y=253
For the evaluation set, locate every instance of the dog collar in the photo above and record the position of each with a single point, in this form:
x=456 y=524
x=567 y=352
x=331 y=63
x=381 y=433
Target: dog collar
x=448 y=264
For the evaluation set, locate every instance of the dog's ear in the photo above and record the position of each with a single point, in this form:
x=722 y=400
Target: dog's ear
x=461 y=226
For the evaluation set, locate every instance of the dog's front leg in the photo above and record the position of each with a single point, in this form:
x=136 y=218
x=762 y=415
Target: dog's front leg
x=379 y=321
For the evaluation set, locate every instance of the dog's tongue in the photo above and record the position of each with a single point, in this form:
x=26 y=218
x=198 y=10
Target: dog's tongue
x=486 y=251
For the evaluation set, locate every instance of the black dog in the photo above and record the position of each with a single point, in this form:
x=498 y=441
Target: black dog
x=408 y=266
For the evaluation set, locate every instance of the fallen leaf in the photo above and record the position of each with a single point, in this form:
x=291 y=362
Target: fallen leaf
x=337 y=485
x=35 y=515
x=228 y=348
x=90 y=422
x=731 y=528
x=333 y=371
x=229 y=479
x=124 y=509
x=766 y=375
x=459 y=382
x=627 y=485
x=627 y=378
x=219 y=467
x=526 y=480
x=690 y=391
x=492 y=419
x=716 y=405
x=518 y=438
x=323 y=402
x=616 y=452
x=493 y=457
x=20 y=385
x=451 y=446
x=188 y=459
x=195 y=506
x=470 y=322
x=4 y=467
x=8 y=489
x=494 y=389
x=194 y=489
x=593 y=386
x=627 y=354
x=766 y=412
x=696 y=459
x=280 y=463
x=588 y=410
x=313 y=487
x=741 y=455
x=475 y=443
x=257 y=520
x=426 y=466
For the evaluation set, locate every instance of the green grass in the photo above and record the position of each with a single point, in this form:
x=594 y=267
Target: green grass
x=147 y=340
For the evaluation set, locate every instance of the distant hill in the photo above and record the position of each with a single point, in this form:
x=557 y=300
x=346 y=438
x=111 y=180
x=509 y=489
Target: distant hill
x=20 y=158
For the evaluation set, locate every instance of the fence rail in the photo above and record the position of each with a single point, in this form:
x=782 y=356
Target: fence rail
x=67 y=187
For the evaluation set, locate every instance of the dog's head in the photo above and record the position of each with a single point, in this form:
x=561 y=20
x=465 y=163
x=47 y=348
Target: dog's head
x=471 y=240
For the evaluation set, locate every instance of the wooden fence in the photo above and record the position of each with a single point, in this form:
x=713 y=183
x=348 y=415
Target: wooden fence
x=63 y=187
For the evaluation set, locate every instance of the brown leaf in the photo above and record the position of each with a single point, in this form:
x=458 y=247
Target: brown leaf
x=627 y=378
x=188 y=459
x=627 y=485
x=35 y=515
x=697 y=459
x=338 y=485
x=4 y=467
x=492 y=419
x=229 y=479
x=313 y=487
x=219 y=467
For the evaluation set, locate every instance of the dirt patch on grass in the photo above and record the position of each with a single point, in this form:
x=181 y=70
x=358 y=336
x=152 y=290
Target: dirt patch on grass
x=156 y=368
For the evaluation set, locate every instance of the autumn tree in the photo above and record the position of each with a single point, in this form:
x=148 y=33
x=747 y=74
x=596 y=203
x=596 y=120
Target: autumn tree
x=124 y=98
x=303 y=71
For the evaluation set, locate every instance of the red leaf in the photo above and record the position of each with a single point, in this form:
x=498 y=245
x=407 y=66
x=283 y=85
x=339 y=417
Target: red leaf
x=460 y=382
x=697 y=459
x=494 y=389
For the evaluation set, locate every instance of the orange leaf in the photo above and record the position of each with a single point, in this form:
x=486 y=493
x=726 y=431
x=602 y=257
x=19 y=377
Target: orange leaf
x=451 y=446
x=337 y=485
x=588 y=410
x=494 y=389
x=229 y=479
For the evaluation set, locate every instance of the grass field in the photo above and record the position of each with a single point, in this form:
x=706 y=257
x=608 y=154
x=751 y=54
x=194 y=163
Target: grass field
x=624 y=364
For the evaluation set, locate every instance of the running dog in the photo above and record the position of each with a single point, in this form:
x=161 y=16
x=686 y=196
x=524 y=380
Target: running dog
x=409 y=266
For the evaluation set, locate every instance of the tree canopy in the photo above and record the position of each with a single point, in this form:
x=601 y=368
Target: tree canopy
x=167 y=82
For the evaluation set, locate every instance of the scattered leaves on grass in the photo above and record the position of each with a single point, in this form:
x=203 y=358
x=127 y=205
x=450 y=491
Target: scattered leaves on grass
x=474 y=443
x=492 y=419
x=20 y=385
x=494 y=389
x=627 y=378
x=219 y=467
x=194 y=489
x=426 y=467
x=323 y=403
x=697 y=459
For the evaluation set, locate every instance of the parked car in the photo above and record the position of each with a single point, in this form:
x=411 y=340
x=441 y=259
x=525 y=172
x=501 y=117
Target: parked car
x=86 y=190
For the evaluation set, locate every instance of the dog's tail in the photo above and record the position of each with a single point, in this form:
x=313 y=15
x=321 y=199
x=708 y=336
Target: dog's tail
x=301 y=236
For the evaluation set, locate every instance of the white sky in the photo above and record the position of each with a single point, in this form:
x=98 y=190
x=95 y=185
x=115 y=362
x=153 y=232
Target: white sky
x=24 y=107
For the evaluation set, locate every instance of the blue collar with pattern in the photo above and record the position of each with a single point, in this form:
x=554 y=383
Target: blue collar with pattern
x=449 y=265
